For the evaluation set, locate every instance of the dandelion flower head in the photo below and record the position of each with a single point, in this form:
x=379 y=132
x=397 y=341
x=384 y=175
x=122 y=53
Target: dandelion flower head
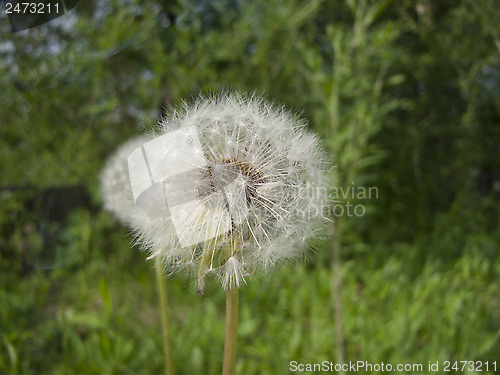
x=228 y=185
x=115 y=181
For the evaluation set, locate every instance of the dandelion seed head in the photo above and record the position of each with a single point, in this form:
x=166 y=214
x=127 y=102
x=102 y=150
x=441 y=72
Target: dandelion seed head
x=115 y=182
x=236 y=202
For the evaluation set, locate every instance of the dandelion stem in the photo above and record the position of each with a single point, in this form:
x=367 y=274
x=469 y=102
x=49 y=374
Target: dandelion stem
x=336 y=288
x=165 y=326
x=231 y=331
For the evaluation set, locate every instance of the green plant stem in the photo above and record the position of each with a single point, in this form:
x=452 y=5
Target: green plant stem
x=165 y=326
x=231 y=331
x=336 y=289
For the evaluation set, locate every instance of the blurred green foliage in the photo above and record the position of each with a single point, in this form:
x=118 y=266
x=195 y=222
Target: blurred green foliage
x=407 y=97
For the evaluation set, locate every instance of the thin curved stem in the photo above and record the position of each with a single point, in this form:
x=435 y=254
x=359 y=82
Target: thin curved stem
x=165 y=326
x=337 y=297
x=231 y=331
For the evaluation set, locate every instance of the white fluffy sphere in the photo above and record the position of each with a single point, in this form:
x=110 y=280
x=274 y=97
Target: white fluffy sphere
x=244 y=186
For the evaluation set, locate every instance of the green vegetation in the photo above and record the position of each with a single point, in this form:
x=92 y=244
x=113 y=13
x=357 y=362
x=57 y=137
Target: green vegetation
x=406 y=95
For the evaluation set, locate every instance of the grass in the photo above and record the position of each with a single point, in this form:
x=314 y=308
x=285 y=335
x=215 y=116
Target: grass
x=97 y=312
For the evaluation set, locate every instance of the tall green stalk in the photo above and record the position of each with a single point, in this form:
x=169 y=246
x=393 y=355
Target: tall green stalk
x=165 y=326
x=231 y=331
x=337 y=299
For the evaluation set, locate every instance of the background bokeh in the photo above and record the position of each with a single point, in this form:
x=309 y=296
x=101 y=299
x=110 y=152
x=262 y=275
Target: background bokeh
x=406 y=95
